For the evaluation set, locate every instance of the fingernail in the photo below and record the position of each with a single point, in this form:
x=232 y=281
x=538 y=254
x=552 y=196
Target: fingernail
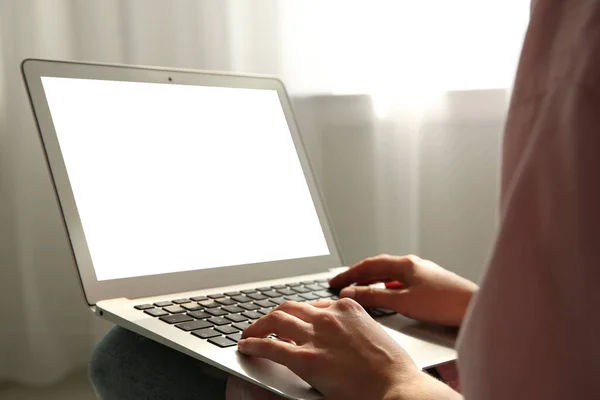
x=348 y=292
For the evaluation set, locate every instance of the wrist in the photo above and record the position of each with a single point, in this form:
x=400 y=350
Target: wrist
x=421 y=387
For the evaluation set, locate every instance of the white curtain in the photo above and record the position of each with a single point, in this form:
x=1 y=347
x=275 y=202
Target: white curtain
x=401 y=103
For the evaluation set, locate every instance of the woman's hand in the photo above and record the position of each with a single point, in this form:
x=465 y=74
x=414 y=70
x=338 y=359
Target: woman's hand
x=341 y=351
x=427 y=292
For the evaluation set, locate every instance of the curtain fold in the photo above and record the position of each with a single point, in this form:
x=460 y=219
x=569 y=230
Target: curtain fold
x=369 y=81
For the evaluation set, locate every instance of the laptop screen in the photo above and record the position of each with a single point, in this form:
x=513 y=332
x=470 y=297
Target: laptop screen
x=170 y=178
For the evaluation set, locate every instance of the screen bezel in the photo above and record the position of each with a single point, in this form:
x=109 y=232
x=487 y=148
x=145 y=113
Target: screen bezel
x=152 y=285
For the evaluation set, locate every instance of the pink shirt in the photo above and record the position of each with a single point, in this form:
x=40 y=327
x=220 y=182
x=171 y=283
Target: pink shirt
x=533 y=331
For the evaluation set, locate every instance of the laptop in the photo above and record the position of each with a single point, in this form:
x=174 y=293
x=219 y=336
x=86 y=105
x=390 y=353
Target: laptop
x=191 y=209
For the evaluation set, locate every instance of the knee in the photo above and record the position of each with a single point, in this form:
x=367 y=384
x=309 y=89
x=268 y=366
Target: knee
x=126 y=365
x=108 y=362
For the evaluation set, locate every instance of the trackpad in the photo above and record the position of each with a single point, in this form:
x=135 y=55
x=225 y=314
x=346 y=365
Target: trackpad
x=427 y=344
x=276 y=376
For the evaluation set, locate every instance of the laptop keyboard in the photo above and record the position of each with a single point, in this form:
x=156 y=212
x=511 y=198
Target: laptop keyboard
x=221 y=317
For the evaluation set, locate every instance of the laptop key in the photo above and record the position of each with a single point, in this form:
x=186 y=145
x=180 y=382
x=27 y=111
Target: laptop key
x=216 y=296
x=314 y=287
x=163 y=303
x=309 y=296
x=264 y=289
x=277 y=287
x=209 y=304
x=242 y=299
x=236 y=337
x=257 y=296
x=233 y=309
x=144 y=307
x=176 y=318
x=246 y=291
x=217 y=312
x=193 y=325
x=306 y=282
x=192 y=307
x=236 y=318
x=374 y=312
x=324 y=285
x=272 y=294
x=181 y=301
x=264 y=303
x=206 y=333
x=156 y=312
x=287 y=291
x=225 y=301
x=301 y=289
x=277 y=300
x=265 y=311
x=323 y=294
x=385 y=311
x=222 y=341
x=175 y=309
x=219 y=321
x=242 y=325
x=252 y=314
x=199 y=314
x=294 y=298
x=199 y=298
x=249 y=306
x=226 y=329
x=322 y=281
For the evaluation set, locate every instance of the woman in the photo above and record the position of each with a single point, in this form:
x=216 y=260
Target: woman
x=529 y=332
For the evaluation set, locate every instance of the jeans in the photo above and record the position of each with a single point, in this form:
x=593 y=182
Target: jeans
x=126 y=365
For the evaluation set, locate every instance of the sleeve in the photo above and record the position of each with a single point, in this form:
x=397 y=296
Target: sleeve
x=532 y=331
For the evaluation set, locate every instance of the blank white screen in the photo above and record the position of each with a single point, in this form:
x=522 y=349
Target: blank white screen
x=170 y=178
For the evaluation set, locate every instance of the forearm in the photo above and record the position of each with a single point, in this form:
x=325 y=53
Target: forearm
x=423 y=387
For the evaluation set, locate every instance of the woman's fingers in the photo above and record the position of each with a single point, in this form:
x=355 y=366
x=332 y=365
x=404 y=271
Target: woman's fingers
x=370 y=297
x=322 y=303
x=380 y=268
x=394 y=285
x=302 y=311
x=282 y=324
x=271 y=349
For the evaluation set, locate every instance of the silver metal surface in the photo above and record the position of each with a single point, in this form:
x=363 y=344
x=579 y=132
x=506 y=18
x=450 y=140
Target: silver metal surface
x=427 y=345
x=114 y=300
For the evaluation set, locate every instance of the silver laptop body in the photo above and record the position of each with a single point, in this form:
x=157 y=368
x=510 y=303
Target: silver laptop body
x=192 y=186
